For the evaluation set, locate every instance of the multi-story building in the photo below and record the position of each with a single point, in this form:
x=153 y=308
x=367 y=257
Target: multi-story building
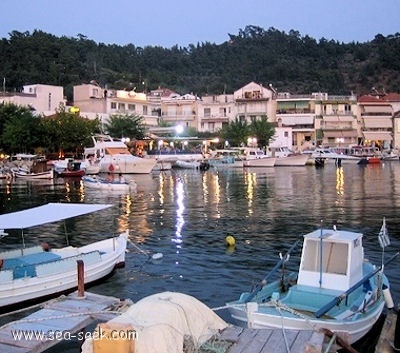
x=215 y=112
x=92 y=100
x=180 y=110
x=43 y=99
x=297 y=112
x=375 y=117
x=302 y=121
x=253 y=101
x=336 y=120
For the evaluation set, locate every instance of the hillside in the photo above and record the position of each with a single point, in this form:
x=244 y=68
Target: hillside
x=289 y=61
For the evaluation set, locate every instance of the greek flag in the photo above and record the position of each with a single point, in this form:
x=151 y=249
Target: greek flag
x=383 y=235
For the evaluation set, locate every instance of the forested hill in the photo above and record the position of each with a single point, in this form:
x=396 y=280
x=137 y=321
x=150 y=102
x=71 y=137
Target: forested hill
x=289 y=61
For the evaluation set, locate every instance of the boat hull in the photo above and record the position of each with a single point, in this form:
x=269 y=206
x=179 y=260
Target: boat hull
x=60 y=276
x=260 y=162
x=126 y=165
x=292 y=161
x=24 y=175
x=354 y=330
x=100 y=184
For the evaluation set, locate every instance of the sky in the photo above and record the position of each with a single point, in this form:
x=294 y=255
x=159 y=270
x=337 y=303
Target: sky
x=176 y=22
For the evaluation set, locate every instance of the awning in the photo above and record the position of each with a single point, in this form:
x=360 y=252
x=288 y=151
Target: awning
x=297 y=120
x=338 y=118
x=378 y=135
x=378 y=122
x=51 y=212
x=341 y=133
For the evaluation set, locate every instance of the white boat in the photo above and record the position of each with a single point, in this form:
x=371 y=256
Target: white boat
x=187 y=164
x=112 y=184
x=226 y=158
x=345 y=294
x=286 y=157
x=255 y=157
x=25 y=174
x=162 y=165
x=114 y=157
x=329 y=155
x=30 y=166
x=31 y=273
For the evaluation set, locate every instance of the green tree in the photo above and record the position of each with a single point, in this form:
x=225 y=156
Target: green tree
x=67 y=132
x=236 y=132
x=263 y=130
x=126 y=125
x=21 y=132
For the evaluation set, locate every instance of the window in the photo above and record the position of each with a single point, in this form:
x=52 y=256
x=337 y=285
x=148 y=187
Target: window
x=132 y=107
x=207 y=112
x=121 y=106
x=49 y=107
x=145 y=110
x=286 y=133
x=113 y=105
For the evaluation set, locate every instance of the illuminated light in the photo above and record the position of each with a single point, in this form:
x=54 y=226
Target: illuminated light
x=74 y=110
x=179 y=129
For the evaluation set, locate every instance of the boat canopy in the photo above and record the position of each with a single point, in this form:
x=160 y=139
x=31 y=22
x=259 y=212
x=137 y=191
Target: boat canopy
x=51 y=212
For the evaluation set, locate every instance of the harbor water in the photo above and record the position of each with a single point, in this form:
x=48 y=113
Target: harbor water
x=185 y=215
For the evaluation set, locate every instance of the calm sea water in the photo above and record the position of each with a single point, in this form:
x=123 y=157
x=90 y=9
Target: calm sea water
x=186 y=215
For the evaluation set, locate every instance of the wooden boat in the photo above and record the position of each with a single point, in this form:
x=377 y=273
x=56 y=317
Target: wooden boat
x=30 y=166
x=25 y=174
x=112 y=184
x=335 y=289
x=31 y=273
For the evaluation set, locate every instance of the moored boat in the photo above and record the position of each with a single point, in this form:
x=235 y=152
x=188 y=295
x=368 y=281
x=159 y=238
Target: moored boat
x=335 y=288
x=32 y=273
x=226 y=158
x=113 y=156
x=255 y=157
x=30 y=166
x=109 y=184
x=286 y=157
x=69 y=168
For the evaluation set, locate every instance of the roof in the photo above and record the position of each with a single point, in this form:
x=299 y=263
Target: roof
x=51 y=212
x=333 y=234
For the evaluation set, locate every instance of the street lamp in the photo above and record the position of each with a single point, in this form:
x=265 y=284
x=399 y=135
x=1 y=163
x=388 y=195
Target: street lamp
x=252 y=142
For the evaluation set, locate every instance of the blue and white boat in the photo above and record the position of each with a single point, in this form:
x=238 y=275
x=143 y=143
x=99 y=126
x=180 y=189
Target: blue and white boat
x=32 y=273
x=335 y=289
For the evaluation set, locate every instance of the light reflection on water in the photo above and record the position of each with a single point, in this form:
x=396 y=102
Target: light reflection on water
x=186 y=215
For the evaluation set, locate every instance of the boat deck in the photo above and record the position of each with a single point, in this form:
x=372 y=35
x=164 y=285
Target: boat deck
x=69 y=314
x=236 y=339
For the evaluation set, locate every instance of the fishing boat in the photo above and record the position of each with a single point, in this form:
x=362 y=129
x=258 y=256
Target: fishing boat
x=37 y=272
x=69 y=168
x=109 y=184
x=30 y=166
x=335 y=289
x=226 y=158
